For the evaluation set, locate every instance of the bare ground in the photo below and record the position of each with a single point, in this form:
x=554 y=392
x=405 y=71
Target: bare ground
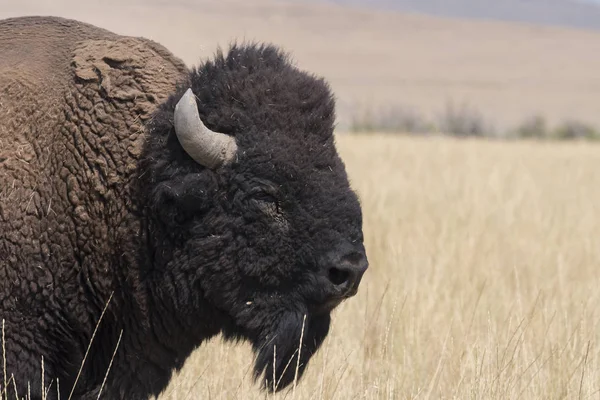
x=375 y=59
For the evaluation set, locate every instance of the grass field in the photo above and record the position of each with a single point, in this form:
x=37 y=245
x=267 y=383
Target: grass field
x=484 y=279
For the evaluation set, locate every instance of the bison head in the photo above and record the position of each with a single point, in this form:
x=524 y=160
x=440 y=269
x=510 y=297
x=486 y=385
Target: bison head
x=254 y=217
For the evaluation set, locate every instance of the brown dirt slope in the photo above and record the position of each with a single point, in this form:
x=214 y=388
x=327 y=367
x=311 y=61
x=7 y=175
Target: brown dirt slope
x=509 y=71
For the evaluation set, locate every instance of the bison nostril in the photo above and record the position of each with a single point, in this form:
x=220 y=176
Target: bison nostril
x=338 y=276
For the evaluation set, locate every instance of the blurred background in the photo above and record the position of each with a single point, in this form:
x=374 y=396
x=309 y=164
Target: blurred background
x=481 y=67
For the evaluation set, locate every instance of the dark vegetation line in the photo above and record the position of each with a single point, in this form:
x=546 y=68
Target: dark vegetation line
x=465 y=121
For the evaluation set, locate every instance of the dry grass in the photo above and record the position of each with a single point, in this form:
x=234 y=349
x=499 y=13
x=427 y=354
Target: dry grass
x=484 y=279
x=483 y=283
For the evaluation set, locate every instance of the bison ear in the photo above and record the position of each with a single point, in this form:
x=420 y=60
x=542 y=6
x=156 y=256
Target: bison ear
x=208 y=148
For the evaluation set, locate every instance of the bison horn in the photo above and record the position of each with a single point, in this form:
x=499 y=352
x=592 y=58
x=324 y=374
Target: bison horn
x=207 y=148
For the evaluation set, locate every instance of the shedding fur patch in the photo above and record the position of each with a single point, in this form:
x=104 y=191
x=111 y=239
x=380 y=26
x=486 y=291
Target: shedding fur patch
x=125 y=69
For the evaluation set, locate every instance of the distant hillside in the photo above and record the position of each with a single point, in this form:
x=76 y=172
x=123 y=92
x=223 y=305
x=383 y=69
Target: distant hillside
x=378 y=62
x=580 y=14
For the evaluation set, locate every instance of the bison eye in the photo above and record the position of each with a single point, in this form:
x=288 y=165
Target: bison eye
x=267 y=201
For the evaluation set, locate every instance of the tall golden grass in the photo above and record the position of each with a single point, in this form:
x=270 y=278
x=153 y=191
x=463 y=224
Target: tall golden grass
x=484 y=279
x=485 y=269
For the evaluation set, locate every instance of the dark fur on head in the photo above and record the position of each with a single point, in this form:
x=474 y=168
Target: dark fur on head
x=251 y=243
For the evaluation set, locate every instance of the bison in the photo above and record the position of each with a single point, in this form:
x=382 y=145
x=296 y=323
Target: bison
x=146 y=207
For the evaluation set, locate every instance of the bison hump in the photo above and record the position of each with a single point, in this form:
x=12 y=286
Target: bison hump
x=128 y=69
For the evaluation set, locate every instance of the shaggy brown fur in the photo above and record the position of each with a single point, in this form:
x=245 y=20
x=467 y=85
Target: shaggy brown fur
x=73 y=99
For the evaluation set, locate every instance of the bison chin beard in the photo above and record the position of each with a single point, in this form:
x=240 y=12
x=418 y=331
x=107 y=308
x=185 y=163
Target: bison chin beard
x=277 y=353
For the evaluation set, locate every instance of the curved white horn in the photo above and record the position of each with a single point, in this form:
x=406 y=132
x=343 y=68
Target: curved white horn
x=208 y=148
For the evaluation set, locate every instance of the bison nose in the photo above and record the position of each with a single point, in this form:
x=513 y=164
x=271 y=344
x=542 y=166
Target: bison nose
x=346 y=274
